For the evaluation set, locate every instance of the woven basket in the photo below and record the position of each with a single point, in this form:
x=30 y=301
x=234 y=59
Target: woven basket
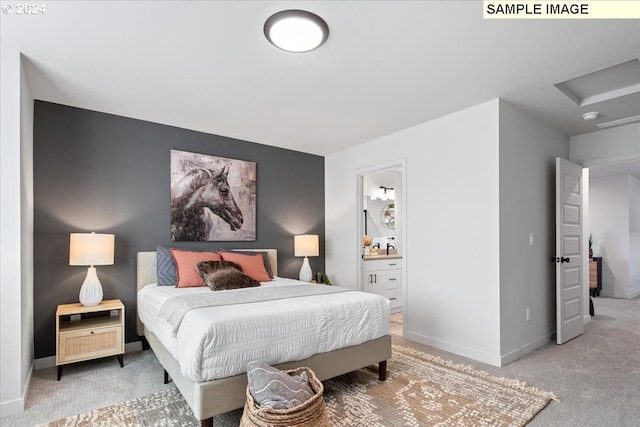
x=311 y=413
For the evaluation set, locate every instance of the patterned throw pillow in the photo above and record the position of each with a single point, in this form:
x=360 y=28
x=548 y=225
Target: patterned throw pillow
x=275 y=389
x=165 y=267
x=220 y=275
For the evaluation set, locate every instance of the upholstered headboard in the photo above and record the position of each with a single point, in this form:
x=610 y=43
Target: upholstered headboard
x=146 y=270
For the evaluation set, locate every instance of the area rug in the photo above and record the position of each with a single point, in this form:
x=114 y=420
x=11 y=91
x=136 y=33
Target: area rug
x=420 y=390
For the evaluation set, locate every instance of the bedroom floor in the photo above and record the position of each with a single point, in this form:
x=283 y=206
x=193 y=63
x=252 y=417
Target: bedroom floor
x=395 y=328
x=595 y=375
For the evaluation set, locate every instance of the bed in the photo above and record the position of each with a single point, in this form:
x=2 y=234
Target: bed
x=212 y=397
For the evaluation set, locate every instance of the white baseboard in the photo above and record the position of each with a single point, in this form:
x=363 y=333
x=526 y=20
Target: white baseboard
x=470 y=353
x=526 y=349
x=49 y=362
x=17 y=406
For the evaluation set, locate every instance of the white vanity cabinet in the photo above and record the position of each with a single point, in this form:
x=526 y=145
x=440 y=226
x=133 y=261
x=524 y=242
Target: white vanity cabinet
x=384 y=277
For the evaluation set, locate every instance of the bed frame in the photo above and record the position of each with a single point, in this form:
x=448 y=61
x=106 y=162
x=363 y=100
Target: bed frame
x=211 y=398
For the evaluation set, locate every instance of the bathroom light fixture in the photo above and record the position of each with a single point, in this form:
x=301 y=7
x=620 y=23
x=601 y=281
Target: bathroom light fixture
x=386 y=193
x=296 y=30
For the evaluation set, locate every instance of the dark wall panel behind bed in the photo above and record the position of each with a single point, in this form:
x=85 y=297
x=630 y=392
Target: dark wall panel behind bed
x=106 y=173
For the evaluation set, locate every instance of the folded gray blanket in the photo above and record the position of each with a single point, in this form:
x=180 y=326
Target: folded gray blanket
x=272 y=388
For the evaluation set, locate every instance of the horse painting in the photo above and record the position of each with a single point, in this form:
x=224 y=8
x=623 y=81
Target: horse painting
x=201 y=196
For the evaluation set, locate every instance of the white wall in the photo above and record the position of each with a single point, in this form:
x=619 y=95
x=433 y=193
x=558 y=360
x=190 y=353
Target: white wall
x=451 y=253
x=16 y=228
x=619 y=143
x=634 y=236
x=371 y=185
x=614 y=209
x=528 y=149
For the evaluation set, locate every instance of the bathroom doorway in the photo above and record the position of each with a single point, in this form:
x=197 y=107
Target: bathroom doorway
x=382 y=229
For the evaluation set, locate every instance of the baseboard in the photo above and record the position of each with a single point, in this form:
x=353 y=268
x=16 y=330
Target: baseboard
x=17 y=406
x=50 y=361
x=470 y=353
x=606 y=294
x=524 y=350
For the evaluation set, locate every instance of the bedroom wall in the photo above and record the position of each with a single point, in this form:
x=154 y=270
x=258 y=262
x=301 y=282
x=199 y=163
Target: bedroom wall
x=451 y=252
x=16 y=228
x=528 y=149
x=106 y=173
x=614 y=207
x=619 y=143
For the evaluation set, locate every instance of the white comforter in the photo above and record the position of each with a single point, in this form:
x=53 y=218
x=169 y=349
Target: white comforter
x=218 y=342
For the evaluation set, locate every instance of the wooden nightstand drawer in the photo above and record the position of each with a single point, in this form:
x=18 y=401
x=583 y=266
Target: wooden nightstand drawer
x=89 y=344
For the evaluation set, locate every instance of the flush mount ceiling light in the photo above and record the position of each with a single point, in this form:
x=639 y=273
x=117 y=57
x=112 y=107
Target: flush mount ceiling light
x=592 y=115
x=296 y=30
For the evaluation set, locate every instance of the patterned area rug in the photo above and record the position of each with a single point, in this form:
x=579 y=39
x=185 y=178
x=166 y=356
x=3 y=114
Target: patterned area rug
x=420 y=390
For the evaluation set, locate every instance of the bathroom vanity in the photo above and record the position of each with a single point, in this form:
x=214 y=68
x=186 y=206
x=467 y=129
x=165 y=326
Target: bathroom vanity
x=382 y=275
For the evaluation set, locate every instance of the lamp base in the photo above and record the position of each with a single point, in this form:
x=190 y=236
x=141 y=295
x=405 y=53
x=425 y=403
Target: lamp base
x=91 y=290
x=305 y=271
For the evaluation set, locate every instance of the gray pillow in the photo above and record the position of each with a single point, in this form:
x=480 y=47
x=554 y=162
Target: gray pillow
x=221 y=275
x=275 y=389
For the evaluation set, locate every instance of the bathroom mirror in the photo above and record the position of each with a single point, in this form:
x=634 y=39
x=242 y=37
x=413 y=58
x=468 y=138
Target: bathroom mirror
x=388 y=216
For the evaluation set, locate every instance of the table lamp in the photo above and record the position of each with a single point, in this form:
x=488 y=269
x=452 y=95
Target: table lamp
x=91 y=249
x=306 y=245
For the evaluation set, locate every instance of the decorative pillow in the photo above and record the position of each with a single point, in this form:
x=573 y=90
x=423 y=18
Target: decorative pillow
x=265 y=258
x=275 y=389
x=221 y=275
x=186 y=261
x=252 y=265
x=166 y=265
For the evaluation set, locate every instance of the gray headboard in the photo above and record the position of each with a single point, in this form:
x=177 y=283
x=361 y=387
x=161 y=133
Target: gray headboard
x=146 y=270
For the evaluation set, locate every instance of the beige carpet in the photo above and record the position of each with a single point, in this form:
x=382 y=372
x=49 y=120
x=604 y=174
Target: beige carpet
x=421 y=390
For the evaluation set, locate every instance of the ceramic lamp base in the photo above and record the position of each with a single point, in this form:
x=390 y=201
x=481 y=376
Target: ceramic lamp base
x=91 y=290
x=305 y=271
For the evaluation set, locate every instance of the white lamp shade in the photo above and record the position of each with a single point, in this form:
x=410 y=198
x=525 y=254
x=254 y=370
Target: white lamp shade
x=91 y=249
x=306 y=245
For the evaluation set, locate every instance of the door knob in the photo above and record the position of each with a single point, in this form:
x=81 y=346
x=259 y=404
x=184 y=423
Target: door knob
x=563 y=259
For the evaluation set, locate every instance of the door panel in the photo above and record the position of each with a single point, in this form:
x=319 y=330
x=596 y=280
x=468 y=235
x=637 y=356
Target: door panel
x=569 y=244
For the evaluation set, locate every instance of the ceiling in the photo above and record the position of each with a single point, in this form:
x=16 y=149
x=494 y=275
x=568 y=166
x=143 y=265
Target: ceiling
x=385 y=67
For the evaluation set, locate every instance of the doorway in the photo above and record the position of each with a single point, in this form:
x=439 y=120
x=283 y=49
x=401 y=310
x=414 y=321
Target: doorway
x=381 y=223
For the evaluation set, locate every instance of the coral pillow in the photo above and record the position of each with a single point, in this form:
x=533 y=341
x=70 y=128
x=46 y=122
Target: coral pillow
x=252 y=265
x=188 y=276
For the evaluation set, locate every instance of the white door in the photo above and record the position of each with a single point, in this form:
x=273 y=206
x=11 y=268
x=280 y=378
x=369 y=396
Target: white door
x=569 y=244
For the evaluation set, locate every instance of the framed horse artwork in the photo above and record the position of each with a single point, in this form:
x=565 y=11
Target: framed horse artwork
x=212 y=198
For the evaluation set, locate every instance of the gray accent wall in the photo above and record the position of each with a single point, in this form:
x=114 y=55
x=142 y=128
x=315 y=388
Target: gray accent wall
x=105 y=173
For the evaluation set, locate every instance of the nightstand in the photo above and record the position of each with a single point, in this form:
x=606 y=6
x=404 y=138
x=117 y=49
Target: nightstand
x=86 y=333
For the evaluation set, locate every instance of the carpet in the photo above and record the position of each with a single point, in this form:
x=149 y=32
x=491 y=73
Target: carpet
x=420 y=390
